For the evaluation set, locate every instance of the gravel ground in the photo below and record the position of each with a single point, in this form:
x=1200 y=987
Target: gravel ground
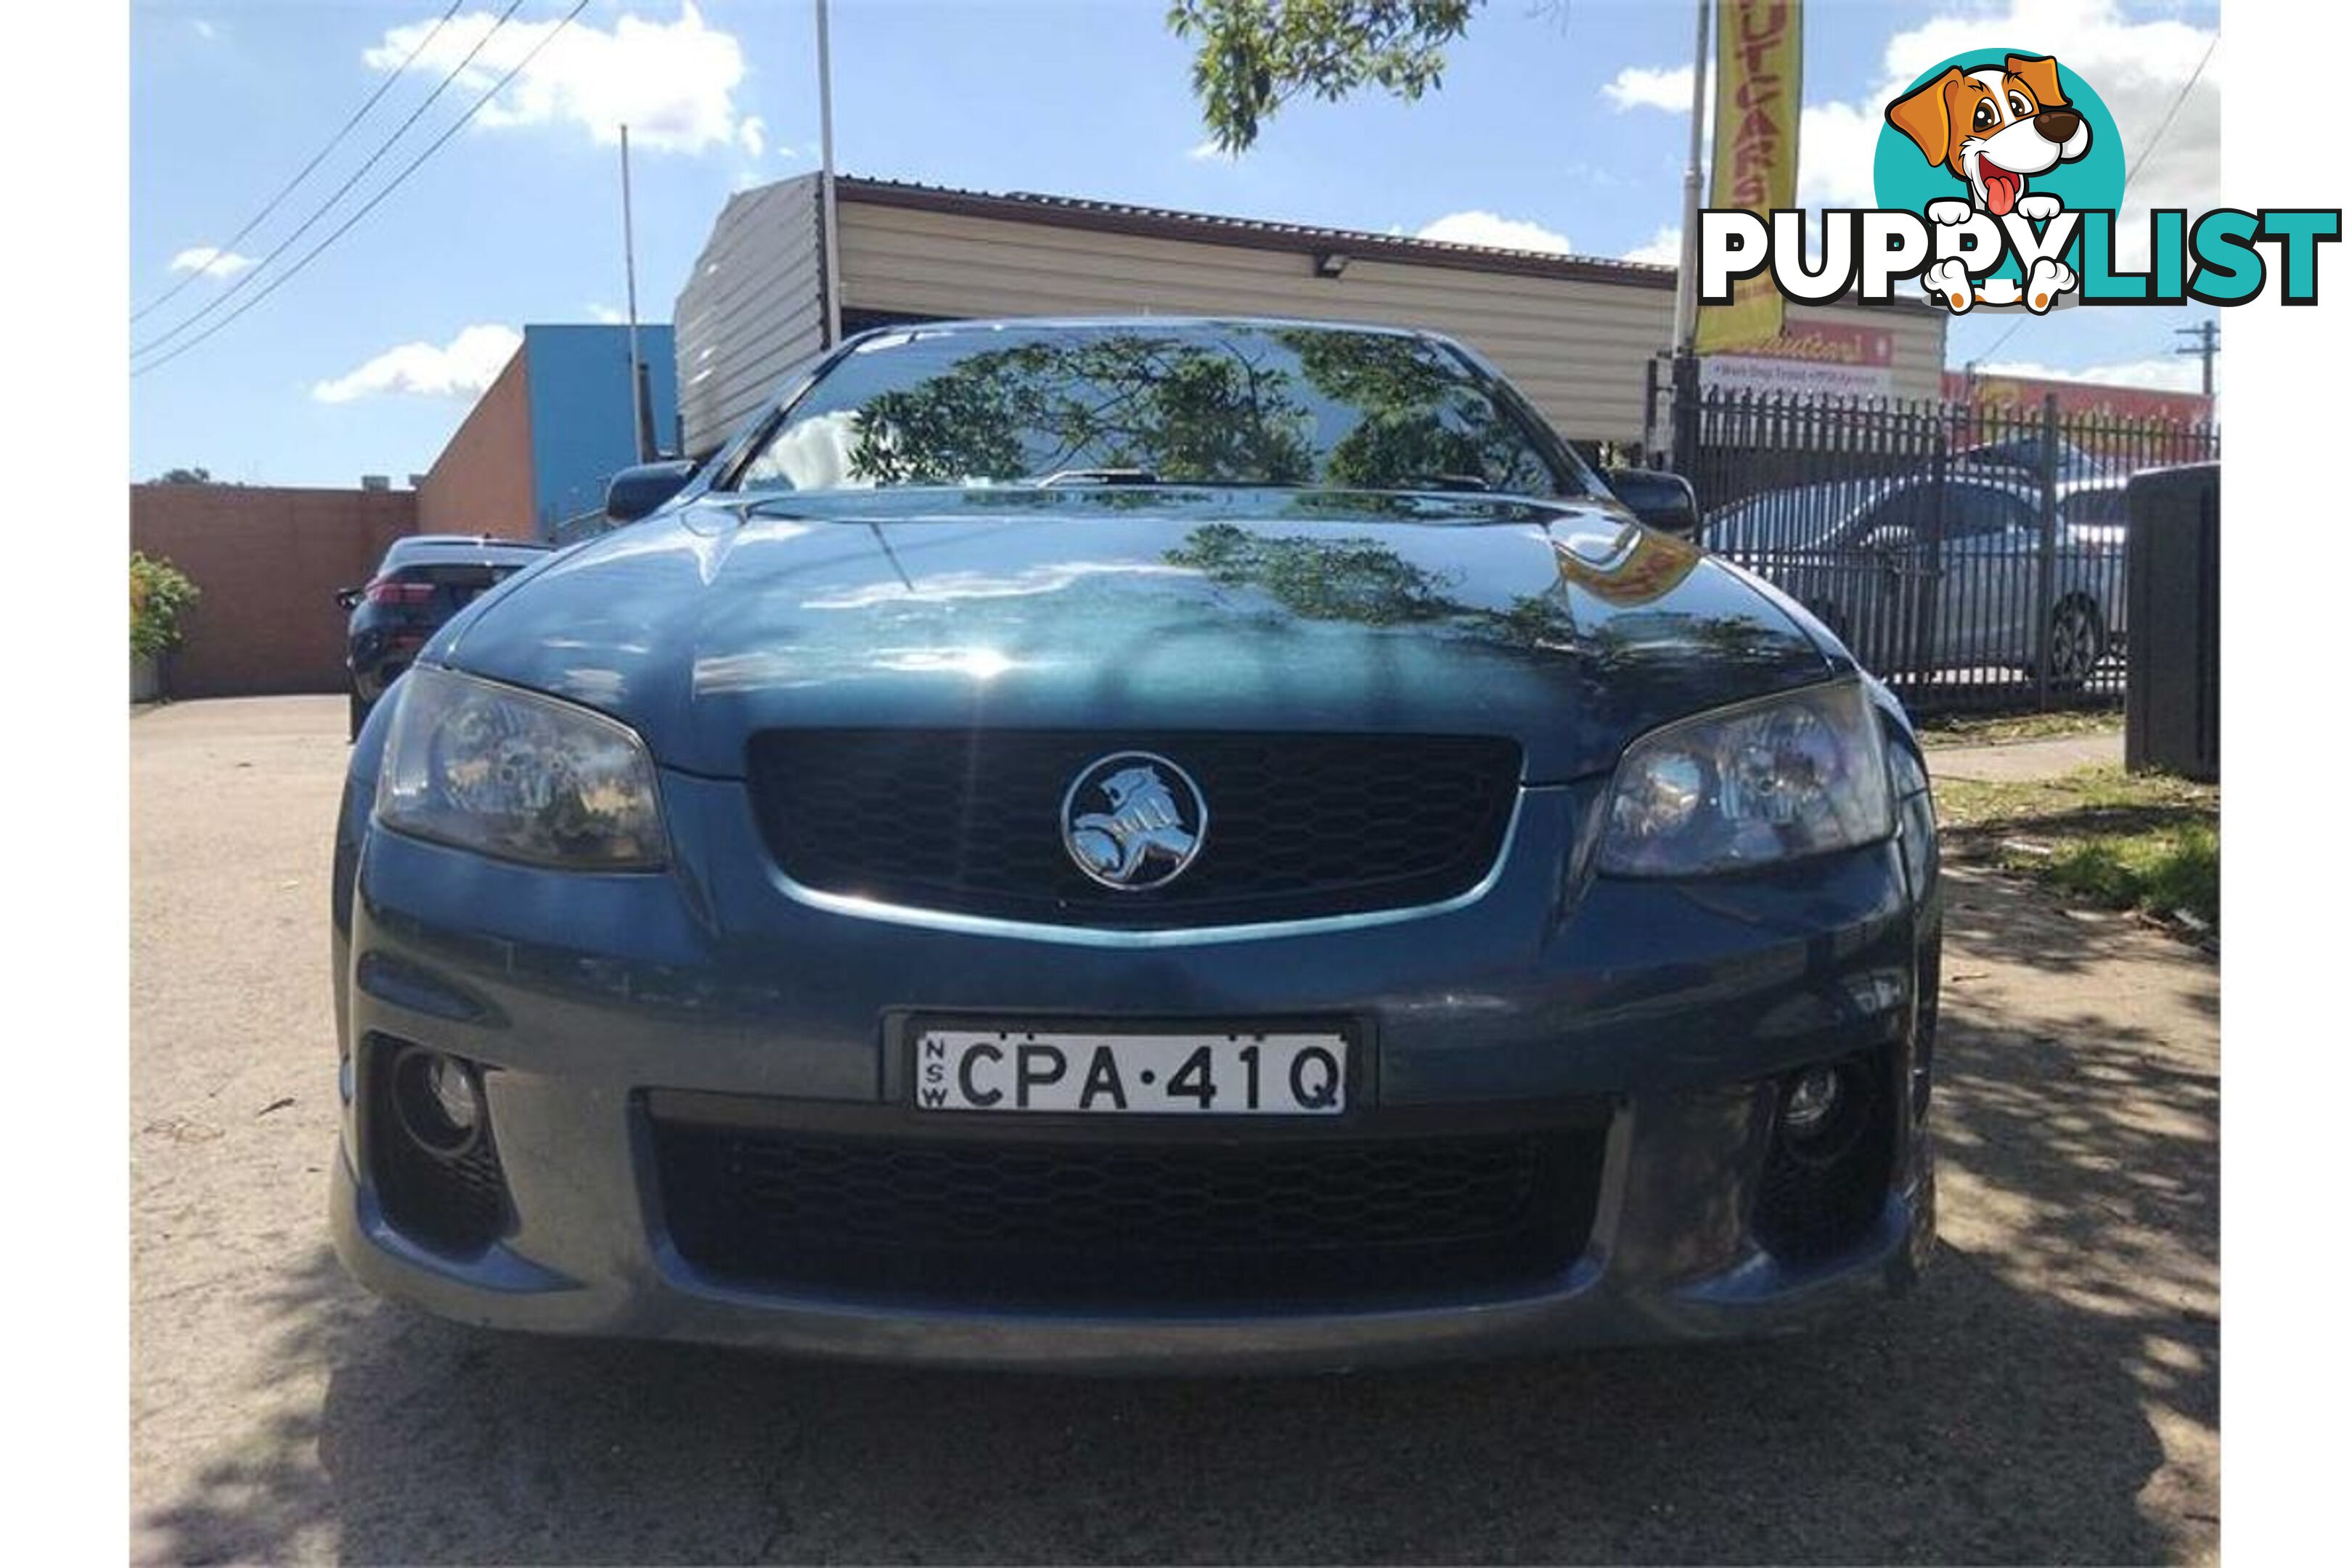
x=2011 y=761
x=2051 y=1394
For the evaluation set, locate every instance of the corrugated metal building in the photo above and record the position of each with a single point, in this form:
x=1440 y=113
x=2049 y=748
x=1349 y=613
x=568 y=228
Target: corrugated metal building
x=1575 y=333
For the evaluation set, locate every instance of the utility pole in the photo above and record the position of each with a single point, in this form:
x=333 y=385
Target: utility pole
x=824 y=180
x=1686 y=363
x=640 y=426
x=2208 y=334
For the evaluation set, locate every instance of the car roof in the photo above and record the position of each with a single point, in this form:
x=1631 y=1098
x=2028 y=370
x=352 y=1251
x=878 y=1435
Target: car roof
x=460 y=546
x=1866 y=490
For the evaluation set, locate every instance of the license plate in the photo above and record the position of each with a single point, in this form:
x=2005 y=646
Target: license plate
x=1241 y=1074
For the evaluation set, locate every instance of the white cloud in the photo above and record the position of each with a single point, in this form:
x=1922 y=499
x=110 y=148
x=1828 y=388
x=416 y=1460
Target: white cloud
x=211 y=260
x=1663 y=249
x=1578 y=170
x=467 y=364
x=673 y=83
x=1208 y=152
x=2138 y=69
x=204 y=29
x=1649 y=86
x=2165 y=373
x=609 y=315
x=1494 y=231
x=1836 y=146
x=751 y=134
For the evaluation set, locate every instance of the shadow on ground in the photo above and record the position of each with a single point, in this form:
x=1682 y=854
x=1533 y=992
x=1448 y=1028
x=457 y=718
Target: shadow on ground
x=2009 y=1412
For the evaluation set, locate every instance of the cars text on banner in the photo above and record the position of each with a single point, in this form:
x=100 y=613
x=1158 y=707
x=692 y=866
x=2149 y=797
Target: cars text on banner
x=1759 y=71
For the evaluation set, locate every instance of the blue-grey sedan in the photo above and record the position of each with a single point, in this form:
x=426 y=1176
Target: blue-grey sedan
x=1122 y=845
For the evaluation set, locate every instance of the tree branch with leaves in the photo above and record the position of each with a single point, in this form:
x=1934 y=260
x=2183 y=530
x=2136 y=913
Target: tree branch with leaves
x=1256 y=54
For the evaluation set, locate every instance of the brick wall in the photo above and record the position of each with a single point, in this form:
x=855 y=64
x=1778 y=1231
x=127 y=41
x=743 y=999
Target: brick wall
x=482 y=482
x=268 y=562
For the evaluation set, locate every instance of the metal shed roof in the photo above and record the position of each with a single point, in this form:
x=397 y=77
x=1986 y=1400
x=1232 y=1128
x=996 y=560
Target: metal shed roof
x=1170 y=222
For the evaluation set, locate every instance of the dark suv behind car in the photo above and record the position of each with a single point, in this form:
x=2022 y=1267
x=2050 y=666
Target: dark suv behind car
x=423 y=581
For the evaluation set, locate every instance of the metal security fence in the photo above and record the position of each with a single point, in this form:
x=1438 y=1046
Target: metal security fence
x=1972 y=557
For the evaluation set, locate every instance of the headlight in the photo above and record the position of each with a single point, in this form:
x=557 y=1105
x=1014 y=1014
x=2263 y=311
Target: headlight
x=519 y=776
x=1763 y=781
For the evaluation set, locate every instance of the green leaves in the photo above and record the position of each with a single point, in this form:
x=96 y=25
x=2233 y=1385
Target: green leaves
x=1256 y=55
x=159 y=593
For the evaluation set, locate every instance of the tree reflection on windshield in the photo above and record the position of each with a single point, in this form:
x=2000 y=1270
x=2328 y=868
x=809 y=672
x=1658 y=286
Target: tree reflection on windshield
x=1420 y=427
x=1176 y=409
x=1197 y=404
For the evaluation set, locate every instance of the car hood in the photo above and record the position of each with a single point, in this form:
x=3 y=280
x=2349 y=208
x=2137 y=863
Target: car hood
x=1566 y=626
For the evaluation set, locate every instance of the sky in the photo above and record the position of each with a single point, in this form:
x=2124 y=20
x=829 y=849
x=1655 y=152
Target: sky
x=1560 y=124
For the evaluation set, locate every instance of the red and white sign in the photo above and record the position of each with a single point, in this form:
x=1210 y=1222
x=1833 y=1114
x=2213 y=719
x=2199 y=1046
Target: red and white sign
x=2090 y=399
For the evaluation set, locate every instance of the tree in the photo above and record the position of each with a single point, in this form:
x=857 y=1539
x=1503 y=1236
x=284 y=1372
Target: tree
x=186 y=477
x=1256 y=54
x=159 y=595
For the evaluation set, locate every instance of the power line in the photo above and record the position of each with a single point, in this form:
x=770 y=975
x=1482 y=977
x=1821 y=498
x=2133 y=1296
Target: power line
x=2165 y=124
x=344 y=227
x=286 y=190
x=2162 y=126
x=238 y=286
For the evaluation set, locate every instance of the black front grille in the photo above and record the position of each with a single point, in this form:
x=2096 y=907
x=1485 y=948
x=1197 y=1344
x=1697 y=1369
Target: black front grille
x=971 y=821
x=1272 y=1221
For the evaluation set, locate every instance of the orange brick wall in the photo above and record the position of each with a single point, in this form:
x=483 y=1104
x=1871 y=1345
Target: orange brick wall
x=267 y=562
x=482 y=483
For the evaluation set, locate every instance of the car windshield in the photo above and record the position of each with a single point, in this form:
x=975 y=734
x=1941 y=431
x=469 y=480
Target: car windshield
x=1191 y=404
x=1807 y=515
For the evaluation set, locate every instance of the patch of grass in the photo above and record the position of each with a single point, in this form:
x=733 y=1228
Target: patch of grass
x=2159 y=872
x=2132 y=841
x=1996 y=730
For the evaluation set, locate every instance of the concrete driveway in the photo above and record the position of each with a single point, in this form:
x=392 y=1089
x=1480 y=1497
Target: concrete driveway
x=2050 y=1395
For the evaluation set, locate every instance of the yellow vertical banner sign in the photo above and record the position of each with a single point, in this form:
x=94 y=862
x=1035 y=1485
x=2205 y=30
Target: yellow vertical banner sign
x=1758 y=95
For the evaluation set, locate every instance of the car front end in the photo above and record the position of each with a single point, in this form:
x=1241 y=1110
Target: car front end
x=1136 y=926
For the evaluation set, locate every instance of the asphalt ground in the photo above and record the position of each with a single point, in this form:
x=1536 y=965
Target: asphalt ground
x=2051 y=1393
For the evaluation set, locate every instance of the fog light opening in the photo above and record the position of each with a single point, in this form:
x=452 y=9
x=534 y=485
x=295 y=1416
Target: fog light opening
x=438 y=1099
x=1823 y=1109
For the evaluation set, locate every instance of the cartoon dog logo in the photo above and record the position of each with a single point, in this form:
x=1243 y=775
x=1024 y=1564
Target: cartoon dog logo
x=1994 y=127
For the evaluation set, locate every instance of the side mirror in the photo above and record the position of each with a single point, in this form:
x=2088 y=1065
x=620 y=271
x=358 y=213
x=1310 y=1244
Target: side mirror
x=633 y=492
x=349 y=598
x=1663 y=501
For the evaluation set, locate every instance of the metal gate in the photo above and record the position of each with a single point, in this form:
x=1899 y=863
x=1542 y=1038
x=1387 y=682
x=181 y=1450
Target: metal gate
x=1971 y=557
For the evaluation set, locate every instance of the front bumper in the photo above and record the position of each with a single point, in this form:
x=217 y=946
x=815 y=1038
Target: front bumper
x=1665 y=1013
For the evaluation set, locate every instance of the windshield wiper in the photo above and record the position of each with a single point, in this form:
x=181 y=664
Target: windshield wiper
x=1099 y=477
x=1443 y=482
